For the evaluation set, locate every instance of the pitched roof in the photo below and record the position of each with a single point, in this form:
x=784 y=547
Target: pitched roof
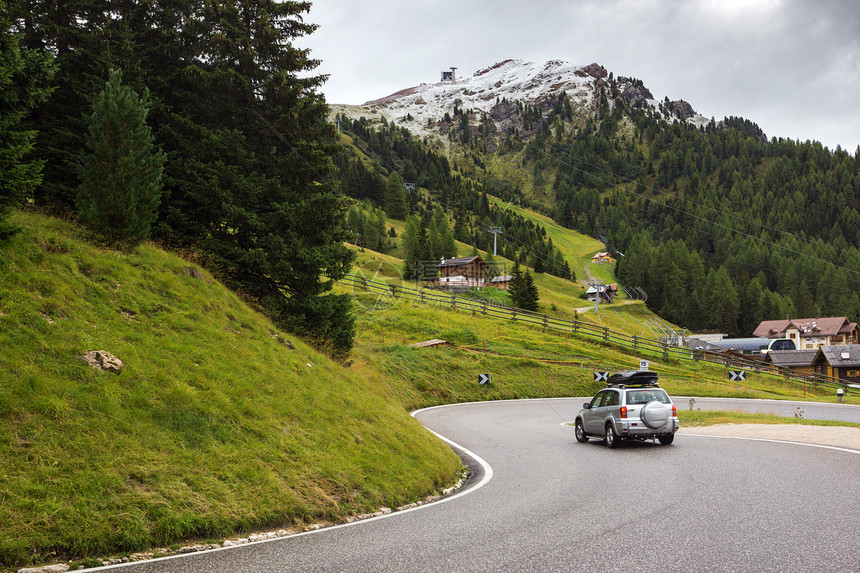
x=827 y=326
x=459 y=261
x=769 y=328
x=843 y=356
x=698 y=344
x=791 y=358
x=609 y=289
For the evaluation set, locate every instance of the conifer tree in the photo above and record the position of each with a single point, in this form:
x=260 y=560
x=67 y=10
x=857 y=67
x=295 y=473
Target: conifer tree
x=395 y=197
x=23 y=74
x=121 y=169
x=530 y=297
x=522 y=289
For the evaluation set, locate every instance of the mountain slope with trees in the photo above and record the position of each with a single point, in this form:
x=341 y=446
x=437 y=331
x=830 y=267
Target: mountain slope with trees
x=721 y=226
x=234 y=107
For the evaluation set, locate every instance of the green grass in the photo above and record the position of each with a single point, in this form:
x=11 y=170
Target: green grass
x=213 y=427
x=697 y=418
x=576 y=247
x=525 y=361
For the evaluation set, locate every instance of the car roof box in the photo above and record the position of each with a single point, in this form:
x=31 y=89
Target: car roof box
x=633 y=378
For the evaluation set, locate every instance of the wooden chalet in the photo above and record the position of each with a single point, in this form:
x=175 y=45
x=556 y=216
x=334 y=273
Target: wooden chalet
x=469 y=267
x=463 y=272
x=602 y=257
x=607 y=293
x=841 y=362
x=800 y=360
x=811 y=333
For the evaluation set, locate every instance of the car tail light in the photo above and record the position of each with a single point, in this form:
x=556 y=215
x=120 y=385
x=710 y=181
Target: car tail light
x=623 y=412
x=674 y=411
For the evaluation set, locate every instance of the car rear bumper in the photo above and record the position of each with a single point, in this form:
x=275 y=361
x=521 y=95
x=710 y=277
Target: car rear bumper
x=638 y=429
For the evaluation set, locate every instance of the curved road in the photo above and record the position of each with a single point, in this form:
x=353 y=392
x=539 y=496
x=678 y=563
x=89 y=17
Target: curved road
x=702 y=504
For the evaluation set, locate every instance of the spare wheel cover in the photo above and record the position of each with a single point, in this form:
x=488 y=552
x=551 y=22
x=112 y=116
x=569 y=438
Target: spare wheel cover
x=654 y=414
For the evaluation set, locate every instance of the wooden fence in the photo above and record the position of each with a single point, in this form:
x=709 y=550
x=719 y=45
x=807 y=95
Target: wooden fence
x=642 y=346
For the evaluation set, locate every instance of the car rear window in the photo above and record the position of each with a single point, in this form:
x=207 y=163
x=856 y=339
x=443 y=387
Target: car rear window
x=645 y=396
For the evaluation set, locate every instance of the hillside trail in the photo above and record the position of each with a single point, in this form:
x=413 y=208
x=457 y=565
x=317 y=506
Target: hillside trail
x=587 y=282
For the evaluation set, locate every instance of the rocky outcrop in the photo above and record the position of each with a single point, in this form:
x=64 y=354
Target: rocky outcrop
x=634 y=93
x=681 y=109
x=596 y=71
x=102 y=360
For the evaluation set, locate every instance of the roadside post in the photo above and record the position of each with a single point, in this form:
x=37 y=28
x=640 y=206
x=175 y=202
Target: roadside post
x=737 y=376
x=840 y=393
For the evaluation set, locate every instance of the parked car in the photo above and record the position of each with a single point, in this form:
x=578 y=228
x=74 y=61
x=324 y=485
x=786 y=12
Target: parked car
x=631 y=407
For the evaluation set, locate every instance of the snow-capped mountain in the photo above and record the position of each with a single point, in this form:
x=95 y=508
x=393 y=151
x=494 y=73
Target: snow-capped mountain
x=420 y=108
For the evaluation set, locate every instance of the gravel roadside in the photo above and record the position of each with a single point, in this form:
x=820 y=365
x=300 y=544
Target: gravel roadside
x=837 y=436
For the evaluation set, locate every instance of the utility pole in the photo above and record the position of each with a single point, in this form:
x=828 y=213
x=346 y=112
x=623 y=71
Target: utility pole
x=599 y=286
x=495 y=231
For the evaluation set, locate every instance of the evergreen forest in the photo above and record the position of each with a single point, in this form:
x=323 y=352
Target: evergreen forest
x=719 y=225
x=197 y=124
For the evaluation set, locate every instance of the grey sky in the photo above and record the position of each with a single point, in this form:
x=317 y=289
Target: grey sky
x=791 y=66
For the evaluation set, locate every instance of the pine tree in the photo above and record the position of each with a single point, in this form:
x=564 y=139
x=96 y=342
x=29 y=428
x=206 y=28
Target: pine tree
x=515 y=285
x=395 y=197
x=23 y=74
x=121 y=170
x=522 y=288
x=529 y=300
x=419 y=263
x=722 y=303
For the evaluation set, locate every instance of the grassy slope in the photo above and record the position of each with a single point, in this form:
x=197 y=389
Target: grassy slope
x=526 y=361
x=214 y=426
x=576 y=247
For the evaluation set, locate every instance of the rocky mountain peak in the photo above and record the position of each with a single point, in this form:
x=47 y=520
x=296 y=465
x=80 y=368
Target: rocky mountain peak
x=493 y=90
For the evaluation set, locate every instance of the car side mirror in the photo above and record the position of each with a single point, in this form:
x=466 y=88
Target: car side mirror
x=587 y=405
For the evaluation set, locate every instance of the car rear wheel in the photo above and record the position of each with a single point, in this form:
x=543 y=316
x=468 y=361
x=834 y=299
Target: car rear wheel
x=666 y=440
x=611 y=438
x=580 y=432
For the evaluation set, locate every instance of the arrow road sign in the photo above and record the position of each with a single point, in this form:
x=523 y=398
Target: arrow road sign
x=485 y=378
x=601 y=376
x=737 y=375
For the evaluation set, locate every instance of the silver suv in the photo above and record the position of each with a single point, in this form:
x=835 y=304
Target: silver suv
x=631 y=407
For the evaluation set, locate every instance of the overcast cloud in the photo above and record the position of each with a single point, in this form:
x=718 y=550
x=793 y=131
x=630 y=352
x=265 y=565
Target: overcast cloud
x=791 y=66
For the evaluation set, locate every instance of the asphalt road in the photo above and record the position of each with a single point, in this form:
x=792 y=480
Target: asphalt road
x=552 y=504
x=786 y=408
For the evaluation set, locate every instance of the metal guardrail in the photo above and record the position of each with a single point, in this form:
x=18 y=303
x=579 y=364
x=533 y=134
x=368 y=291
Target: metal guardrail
x=602 y=334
